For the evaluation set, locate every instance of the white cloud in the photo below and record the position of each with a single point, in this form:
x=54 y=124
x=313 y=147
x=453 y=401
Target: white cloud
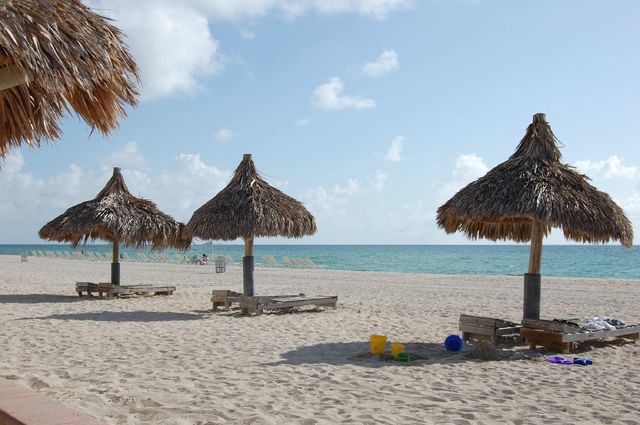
x=331 y=202
x=330 y=96
x=236 y=10
x=30 y=201
x=248 y=35
x=609 y=168
x=127 y=157
x=468 y=167
x=302 y=122
x=411 y=221
x=378 y=9
x=378 y=180
x=172 y=42
x=394 y=154
x=386 y=62
x=190 y=185
x=631 y=204
x=352 y=187
x=224 y=135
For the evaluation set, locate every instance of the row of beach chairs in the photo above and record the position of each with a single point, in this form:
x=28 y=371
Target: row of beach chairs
x=299 y=263
x=161 y=257
x=152 y=257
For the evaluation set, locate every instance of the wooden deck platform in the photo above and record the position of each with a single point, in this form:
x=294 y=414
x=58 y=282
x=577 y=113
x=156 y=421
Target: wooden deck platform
x=282 y=302
x=565 y=337
x=486 y=328
x=115 y=291
x=226 y=298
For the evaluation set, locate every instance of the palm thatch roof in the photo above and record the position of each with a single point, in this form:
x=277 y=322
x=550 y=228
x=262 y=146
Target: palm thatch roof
x=56 y=55
x=249 y=207
x=534 y=185
x=116 y=215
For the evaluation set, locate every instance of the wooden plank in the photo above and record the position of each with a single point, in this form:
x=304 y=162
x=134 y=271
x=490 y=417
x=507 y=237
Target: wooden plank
x=541 y=337
x=510 y=330
x=567 y=342
x=482 y=330
x=594 y=335
x=290 y=304
x=549 y=325
x=122 y=290
x=270 y=303
x=535 y=253
x=480 y=337
x=485 y=321
x=477 y=320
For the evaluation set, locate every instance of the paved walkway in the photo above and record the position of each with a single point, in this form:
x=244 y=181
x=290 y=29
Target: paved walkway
x=20 y=405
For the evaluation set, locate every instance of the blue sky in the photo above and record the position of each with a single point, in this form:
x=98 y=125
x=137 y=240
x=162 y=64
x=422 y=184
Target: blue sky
x=371 y=112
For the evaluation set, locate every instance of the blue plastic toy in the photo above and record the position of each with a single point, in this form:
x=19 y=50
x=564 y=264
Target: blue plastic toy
x=453 y=343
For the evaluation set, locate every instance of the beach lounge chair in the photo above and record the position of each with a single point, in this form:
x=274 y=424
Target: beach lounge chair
x=285 y=302
x=287 y=262
x=164 y=258
x=486 y=328
x=224 y=298
x=565 y=335
x=258 y=304
x=195 y=260
x=116 y=291
x=269 y=261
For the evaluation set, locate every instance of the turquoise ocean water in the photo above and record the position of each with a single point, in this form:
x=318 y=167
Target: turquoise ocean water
x=601 y=261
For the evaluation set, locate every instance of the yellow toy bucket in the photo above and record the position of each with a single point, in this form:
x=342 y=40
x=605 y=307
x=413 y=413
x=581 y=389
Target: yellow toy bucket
x=377 y=344
x=396 y=348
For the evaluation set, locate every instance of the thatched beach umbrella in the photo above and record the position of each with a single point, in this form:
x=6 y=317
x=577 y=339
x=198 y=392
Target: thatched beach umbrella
x=249 y=208
x=56 y=55
x=525 y=196
x=116 y=215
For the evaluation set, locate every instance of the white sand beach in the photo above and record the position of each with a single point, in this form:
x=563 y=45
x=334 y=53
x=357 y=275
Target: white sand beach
x=170 y=360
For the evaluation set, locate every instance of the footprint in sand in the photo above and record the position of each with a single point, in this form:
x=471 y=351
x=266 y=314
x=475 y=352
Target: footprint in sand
x=37 y=383
x=150 y=403
x=62 y=374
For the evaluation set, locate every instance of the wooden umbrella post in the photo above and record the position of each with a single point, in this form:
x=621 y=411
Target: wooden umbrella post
x=247 y=268
x=115 y=264
x=531 y=305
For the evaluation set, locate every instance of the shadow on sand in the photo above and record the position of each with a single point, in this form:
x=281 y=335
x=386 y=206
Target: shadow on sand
x=123 y=316
x=41 y=298
x=422 y=354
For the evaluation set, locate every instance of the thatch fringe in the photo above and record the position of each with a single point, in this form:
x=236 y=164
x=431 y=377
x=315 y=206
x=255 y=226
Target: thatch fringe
x=249 y=207
x=71 y=58
x=534 y=185
x=116 y=215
